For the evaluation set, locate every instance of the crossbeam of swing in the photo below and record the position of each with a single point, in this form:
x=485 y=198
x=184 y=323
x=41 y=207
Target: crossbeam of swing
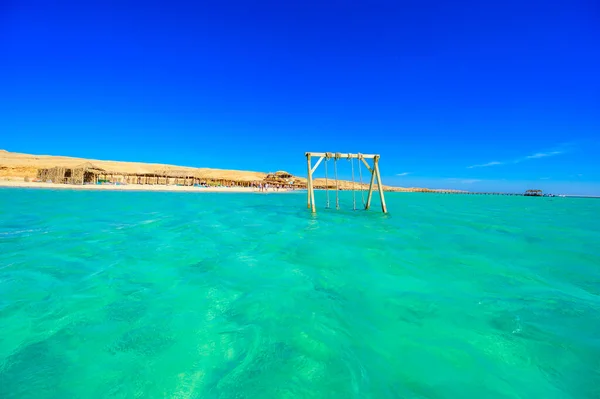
x=341 y=155
x=324 y=155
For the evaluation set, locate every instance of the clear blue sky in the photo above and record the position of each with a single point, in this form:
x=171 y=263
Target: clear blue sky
x=462 y=94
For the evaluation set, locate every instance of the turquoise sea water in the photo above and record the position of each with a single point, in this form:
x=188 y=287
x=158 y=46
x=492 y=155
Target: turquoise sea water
x=184 y=295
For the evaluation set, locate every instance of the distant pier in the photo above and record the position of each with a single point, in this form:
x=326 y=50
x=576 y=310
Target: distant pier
x=478 y=193
x=487 y=193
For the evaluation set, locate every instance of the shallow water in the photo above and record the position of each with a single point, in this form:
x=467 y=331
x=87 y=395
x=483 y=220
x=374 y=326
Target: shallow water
x=184 y=295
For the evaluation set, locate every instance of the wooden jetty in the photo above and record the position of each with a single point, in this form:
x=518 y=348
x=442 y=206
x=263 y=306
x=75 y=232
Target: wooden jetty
x=480 y=193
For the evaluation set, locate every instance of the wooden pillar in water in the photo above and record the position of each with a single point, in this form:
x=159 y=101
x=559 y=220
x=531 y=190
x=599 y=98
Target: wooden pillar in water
x=379 y=184
x=308 y=181
x=370 y=193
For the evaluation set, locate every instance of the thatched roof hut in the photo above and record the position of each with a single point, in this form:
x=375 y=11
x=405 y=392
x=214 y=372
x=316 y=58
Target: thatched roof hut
x=75 y=175
x=279 y=177
x=283 y=174
x=90 y=167
x=55 y=175
x=89 y=173
x=176 y=173
x=86 y=172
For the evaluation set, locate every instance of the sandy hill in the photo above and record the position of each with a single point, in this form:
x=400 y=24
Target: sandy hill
x=18 y=166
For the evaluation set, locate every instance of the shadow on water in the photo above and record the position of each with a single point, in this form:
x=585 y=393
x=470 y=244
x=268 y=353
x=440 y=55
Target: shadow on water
x=36 y=369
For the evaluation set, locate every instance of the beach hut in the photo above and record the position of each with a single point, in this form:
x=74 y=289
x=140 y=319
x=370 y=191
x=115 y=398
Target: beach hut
x=173 y=176
x=52 y=175
x=96 y=175
x=279 y=178
x=84 y=173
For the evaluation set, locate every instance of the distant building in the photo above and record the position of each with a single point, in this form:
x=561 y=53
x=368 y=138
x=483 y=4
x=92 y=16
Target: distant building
x=533 y=193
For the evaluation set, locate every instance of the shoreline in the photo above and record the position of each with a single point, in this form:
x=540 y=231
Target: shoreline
x=138 y=187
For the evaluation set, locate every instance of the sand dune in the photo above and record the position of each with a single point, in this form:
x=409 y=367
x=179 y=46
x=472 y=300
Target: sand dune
x=19 y=167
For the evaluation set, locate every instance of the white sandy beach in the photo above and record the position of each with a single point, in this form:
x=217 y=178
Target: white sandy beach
x=134 y=187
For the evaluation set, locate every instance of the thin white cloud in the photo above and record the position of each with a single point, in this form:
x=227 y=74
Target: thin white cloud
x=463 y=181
x=403 y=174
x=485 y=165
x=537 y=155
x=541 y=155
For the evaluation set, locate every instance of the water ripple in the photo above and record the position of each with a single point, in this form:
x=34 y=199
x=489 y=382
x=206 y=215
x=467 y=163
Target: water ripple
x=109 y=294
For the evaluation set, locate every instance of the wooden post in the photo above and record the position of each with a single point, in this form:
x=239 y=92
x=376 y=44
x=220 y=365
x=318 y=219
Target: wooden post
x=380 y=185
x=308 y=179
x=312 y=195
x=311 y=191
x=370 y=193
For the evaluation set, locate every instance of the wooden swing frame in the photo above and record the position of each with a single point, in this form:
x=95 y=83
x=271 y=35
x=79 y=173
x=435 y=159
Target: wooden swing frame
x=374 y=170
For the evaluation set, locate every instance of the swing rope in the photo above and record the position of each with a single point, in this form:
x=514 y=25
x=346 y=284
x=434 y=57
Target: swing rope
x=353 y=192
x=337 y=189
x=362 y=192
x=326 y=181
